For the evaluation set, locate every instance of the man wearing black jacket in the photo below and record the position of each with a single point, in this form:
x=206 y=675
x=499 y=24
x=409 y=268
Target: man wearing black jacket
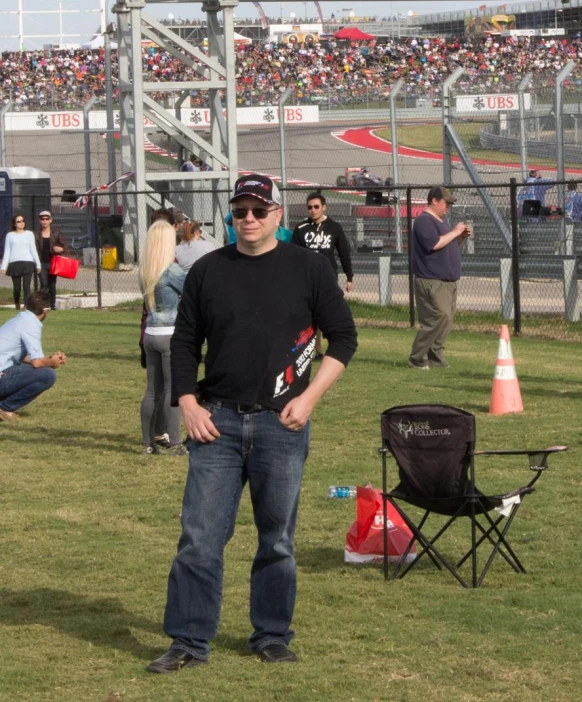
x=326 y=236
x=257 y=303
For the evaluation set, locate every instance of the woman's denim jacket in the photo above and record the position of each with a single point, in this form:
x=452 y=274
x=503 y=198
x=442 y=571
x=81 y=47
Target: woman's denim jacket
x=167 y=296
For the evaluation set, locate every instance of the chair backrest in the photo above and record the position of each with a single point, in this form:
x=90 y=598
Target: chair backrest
x=431 y=445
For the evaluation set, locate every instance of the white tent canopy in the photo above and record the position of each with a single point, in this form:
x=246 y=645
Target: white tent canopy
x=98 y=42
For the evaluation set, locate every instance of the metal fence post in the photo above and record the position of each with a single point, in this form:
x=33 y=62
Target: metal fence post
x=394 y=90
x=410 y=251
x=560 y=160
x=515 y=256
x=571 y=302
x=384 y=280
x=447 y=109
x=97 y=252
x=7 y=107
x=282 y=101
x=521 y=88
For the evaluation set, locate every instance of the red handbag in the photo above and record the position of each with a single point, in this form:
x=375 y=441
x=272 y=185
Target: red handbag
x=64 y=267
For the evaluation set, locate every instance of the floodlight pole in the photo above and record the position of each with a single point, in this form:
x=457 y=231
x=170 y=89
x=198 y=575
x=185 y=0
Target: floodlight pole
x=284 y=97
x=87 y=139
x=394 y=90
x=109 y=102
x=447 y=114
x=521 y=88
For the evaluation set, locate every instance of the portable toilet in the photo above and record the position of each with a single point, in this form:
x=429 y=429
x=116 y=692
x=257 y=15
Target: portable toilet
x=24 y=190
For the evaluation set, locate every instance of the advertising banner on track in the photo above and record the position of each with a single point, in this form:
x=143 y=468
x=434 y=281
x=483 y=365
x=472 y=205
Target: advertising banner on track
x=491 y=103
x=193 y=117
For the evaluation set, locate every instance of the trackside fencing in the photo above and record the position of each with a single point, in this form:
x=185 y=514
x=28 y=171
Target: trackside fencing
x=521 y=267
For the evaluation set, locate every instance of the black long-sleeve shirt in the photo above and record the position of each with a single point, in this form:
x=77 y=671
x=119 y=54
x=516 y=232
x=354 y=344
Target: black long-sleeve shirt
x=259 y=315
x=325 y=238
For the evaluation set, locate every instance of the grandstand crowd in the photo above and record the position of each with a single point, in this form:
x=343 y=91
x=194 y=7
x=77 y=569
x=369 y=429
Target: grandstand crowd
x=330 y=73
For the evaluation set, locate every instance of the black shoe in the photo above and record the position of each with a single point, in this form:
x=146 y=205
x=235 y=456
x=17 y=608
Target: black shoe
x=174 y=659
x=318 y=356
x=163 y=440
x=276 y=653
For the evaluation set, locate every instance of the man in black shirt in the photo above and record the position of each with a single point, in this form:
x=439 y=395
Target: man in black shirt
x=323 y=234
x=258 y=304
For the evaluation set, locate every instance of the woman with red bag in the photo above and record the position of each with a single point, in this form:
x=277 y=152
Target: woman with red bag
x=20 y=258
x=48 y=244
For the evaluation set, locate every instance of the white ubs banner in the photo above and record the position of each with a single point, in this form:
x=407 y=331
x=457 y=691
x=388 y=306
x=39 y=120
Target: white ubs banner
x=195 y=118
x=491 y=103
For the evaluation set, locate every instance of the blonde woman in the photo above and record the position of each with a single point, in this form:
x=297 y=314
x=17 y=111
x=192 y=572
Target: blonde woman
x=20 y=258
x=192 y=246
x=161 y=282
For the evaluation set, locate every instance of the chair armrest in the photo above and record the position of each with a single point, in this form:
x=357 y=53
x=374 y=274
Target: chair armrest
x=538 y=459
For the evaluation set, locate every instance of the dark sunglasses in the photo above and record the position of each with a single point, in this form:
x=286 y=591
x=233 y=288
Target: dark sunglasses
x=44 y=217
x=258 y=212
x=313 y=207
x=18 y=221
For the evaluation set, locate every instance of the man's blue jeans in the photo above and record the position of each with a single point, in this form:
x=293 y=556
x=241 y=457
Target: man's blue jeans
x=257 y=448
x=21 y=384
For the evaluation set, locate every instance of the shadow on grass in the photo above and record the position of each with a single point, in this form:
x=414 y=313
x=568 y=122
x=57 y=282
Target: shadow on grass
x=100 y=621
x=320 y=559
x=109 y=356
x=78 y=438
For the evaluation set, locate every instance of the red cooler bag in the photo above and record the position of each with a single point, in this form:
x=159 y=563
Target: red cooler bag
x=365 y=539
x=64 y=267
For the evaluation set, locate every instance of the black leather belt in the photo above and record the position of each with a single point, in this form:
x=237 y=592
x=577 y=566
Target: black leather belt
x=239 y=407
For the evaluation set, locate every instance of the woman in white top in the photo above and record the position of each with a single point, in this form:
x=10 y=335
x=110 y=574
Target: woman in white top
x=192 y=246
x=20 y=258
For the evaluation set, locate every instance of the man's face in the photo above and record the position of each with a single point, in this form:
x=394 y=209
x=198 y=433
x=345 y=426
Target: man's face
x=255 y=234
x=440 y=207
x=316 y=209
x=45 y=221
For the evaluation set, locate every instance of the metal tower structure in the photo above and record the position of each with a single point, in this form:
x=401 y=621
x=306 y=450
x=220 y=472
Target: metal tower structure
x=215 y=73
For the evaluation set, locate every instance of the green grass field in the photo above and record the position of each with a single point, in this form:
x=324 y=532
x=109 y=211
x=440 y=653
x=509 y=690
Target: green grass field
x=90 y=526
x=430 y=138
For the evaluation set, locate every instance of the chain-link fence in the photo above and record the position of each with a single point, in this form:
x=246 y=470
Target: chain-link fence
x=521 y=266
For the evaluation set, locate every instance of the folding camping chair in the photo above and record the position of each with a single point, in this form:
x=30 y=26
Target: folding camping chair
x=433 y=446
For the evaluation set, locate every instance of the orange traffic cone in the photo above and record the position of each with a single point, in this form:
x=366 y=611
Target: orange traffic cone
x=505 y=394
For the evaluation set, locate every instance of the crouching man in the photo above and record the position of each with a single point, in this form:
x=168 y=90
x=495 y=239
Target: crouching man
x=25 y=372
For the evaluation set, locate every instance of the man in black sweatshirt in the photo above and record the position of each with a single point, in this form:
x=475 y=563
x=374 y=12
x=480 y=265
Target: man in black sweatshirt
x=326 y=236
x=258 y=304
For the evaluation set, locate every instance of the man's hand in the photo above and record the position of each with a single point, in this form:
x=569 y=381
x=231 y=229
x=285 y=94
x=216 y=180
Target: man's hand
x=197 y=420
x=296 y=413
x=349 y=286
x=57 y=359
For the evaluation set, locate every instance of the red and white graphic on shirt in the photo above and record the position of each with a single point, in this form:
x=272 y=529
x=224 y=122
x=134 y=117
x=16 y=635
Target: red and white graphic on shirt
x=303 y=349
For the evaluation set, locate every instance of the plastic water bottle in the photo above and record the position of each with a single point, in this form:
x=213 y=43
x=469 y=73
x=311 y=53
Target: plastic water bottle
x=341 y=491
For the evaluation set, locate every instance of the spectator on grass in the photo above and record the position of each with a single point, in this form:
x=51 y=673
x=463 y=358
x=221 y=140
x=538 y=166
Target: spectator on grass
x=20 y=258
x=161 y=281
x=436 y=265
x=25 y=372
x=192 y=246
x=248 y=419
x=49 y=243
x=324 y=235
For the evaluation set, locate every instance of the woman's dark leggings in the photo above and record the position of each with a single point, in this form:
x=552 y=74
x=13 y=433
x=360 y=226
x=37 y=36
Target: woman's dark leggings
x=17 y=283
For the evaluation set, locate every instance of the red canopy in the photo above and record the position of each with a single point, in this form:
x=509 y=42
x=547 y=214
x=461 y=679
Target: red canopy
x=352 y=34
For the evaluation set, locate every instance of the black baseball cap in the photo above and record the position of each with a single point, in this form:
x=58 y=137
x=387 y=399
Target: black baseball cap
x=441 y=193
x=258 y=186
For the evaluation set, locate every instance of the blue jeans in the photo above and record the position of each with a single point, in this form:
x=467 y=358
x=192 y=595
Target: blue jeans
x=257 y=448
x=21 y=384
